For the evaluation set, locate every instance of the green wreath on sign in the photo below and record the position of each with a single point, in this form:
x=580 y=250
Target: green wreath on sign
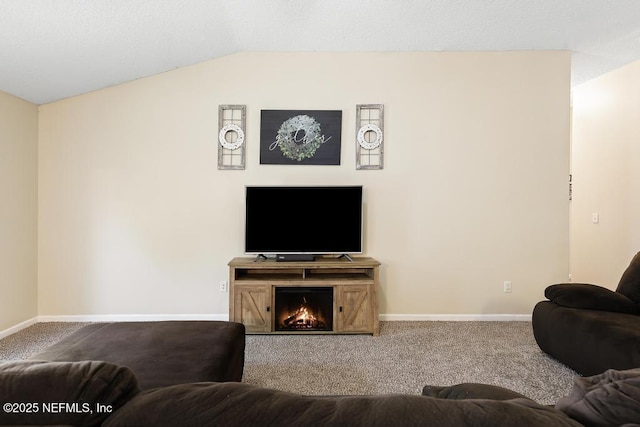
x=299 y=138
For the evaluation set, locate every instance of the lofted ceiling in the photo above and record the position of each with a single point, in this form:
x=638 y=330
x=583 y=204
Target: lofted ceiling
x=54 y=49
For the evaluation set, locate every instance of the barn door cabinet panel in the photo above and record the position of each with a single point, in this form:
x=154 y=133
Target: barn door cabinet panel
x=355 y=309
x=252 y=307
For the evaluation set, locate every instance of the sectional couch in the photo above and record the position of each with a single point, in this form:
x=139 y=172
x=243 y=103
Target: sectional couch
x=96 y=393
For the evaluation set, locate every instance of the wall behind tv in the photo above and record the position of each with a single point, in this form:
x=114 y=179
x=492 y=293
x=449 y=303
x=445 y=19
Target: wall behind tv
x=18 y=211
x=135 y=218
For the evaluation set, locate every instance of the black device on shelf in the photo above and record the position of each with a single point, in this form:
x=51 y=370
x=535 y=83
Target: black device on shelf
x=296 y=223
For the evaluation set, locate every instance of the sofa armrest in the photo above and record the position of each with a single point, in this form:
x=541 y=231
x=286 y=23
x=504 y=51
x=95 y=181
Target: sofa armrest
x=629 y=284
x=63 y=393
x=593 y=297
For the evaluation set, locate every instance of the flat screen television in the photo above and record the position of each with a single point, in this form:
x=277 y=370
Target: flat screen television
x=282 y=220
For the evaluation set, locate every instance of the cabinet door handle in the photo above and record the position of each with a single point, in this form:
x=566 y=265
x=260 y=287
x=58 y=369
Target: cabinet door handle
x=268 y=308
x=340 y=309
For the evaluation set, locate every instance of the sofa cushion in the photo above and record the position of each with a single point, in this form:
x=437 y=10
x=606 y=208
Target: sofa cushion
x=63 y=393
x=159 y=353
x=239 y=404
x=629 y=284
x=471 y=391
x=611 y=398
x=593 y=297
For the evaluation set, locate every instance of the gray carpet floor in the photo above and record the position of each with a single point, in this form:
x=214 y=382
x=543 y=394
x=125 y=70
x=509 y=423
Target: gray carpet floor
x=404 y=358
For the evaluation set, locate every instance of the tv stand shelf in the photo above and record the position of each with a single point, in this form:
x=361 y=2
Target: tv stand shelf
x=252 y=286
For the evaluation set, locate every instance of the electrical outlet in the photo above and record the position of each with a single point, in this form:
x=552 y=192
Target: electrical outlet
x=507 y=286
x=223 y=286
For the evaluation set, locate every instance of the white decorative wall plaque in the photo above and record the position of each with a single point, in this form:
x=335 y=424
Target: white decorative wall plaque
x=369 y=136
x=231 y=136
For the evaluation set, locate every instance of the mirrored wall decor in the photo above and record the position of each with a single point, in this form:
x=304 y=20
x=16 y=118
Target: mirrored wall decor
x=231 y=136
x=369 y=136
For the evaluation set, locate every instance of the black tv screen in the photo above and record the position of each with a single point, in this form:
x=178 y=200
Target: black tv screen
x=303 y=220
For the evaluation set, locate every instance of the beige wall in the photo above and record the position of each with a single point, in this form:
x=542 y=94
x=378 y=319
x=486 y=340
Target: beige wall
x=605 y=158
x=136 y=219
x=18 y=211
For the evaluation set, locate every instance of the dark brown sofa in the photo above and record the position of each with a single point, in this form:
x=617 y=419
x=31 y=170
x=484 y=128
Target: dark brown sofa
x=94 y=393
x=159 y=353
x=590 y=328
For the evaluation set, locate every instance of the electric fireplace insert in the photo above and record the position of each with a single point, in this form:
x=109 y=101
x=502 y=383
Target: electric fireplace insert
x=303 y=309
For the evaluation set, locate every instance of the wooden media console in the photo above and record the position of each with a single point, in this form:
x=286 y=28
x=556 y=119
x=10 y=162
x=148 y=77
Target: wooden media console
x=254 y=284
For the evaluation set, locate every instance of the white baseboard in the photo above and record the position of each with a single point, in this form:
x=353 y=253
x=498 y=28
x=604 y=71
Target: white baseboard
x=18 y=327
x=456 y=317
x=225 y=317
x=129 y=317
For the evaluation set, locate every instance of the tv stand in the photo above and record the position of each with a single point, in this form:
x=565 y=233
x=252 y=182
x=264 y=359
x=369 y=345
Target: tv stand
x=252 y=291
x=347 y=256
